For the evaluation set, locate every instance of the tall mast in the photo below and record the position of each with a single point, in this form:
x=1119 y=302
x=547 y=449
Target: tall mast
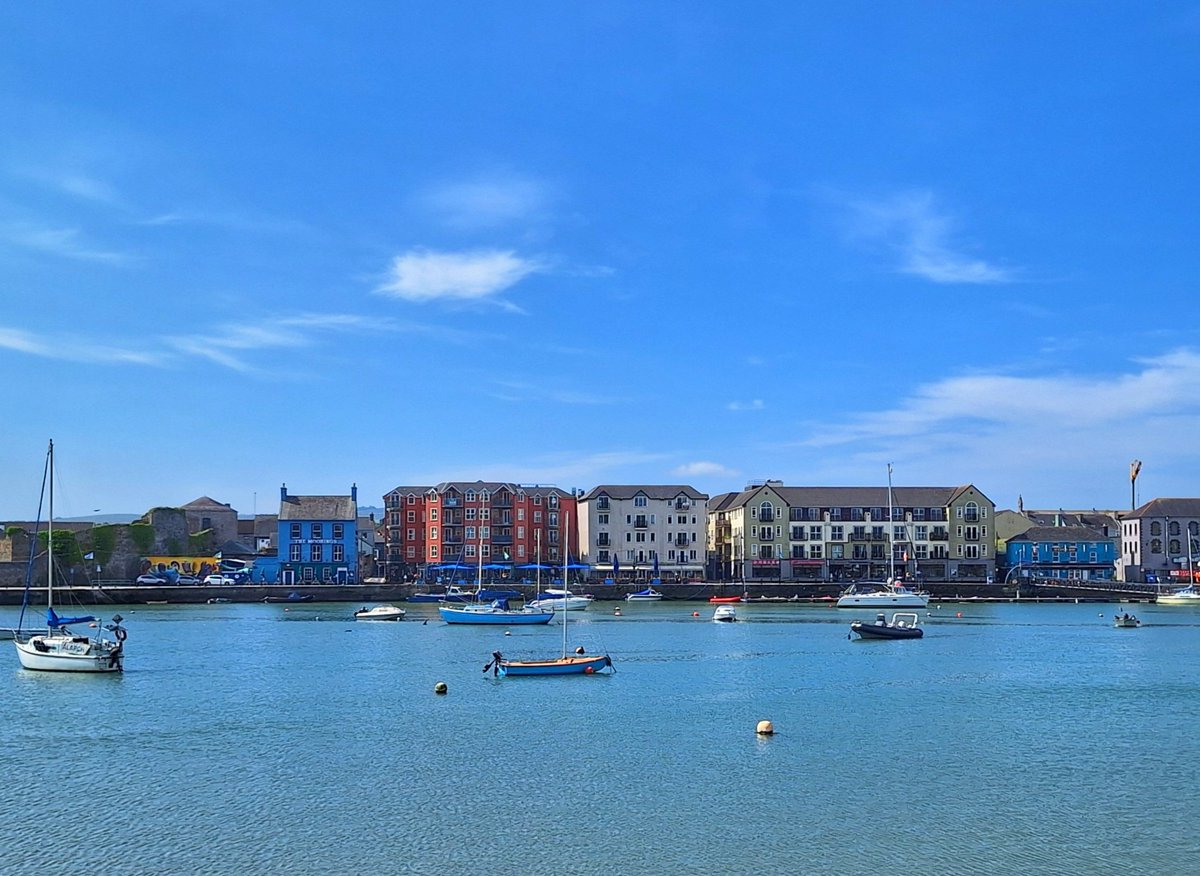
x=891 y=532
x=566 y=554
x=50 y=537
x=479 y=574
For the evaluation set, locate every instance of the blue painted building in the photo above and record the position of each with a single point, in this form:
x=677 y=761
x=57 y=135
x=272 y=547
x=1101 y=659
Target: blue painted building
x=318 y=538
x=1075 y=553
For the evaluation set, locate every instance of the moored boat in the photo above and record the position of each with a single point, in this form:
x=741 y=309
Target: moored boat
x=725 y=614
x=562 y=600
x=1186 y=596
x=294 y=596
x=903 y=625
x=578 y=663
x=724 y=600
x=380 y=613
x=1126 y=621
x=495 y=612
x=647 y=595
x=881 y=594
x=58 y=649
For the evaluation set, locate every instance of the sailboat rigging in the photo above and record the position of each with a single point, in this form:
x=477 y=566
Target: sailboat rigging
x=579 y=663
x=58 y=649
x=875 y=594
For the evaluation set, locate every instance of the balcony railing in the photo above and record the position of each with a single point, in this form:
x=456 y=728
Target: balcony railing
x=681 y=541
x=641 y=522
x=603 y=540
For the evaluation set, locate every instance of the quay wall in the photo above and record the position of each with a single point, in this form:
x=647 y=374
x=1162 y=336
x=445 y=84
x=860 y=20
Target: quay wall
x=124 y=593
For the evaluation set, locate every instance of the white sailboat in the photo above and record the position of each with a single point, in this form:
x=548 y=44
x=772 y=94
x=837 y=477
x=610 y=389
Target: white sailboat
x=883 y=594
x=58 y=649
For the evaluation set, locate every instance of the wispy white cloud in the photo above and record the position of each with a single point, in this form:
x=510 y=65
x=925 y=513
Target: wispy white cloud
x=702 y=469
x=231 y=345
x=69 y=348
x=520 y=391
x=754 y=405
x=228 y=345
x=422 y=275
x=65 y=243
x=89 y=189
x=922 y=237
x=1060 y=429
x=239 y=222
x=486 y=202
x=75 y=183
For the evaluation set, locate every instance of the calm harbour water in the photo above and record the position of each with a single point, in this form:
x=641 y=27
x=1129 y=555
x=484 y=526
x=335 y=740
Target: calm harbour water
x=1030 y=739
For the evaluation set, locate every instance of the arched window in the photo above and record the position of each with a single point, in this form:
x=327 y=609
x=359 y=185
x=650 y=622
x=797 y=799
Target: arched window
x=1173 y=528
x=1156 y=528
x=1156 y=545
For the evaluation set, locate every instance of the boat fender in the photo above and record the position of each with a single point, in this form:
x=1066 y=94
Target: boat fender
x=589 y=671
x=579 y=650
x=121 y=634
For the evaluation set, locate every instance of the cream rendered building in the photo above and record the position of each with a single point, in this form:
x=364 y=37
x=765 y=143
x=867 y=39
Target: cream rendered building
x=624 y=528
x=772 y=532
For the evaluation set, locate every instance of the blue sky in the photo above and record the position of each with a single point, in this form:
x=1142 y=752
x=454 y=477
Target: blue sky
x=400 y=243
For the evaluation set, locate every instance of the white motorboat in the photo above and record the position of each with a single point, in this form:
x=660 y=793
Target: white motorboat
x=881 y=594
x=1126 y=621
x=58 y=649
x=380 y=613
x=725 y=614
x=562 y=600
x=1186 y=596
x=647 y=595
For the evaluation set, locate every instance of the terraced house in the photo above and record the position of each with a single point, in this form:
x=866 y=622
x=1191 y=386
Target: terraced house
x=769 y=531
x=627 y=531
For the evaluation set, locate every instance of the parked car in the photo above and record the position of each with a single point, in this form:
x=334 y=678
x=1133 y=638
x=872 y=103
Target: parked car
x=152 y=579
x=187 y=579
x=219 y=580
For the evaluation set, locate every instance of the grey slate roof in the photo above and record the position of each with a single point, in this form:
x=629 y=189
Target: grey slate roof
x=1060 y=533
x=1167 y=508
x=497 y=486
x=318 y=508
x=1072 y=518
x=410 y=491
x=847 y=497
x=651 y=491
